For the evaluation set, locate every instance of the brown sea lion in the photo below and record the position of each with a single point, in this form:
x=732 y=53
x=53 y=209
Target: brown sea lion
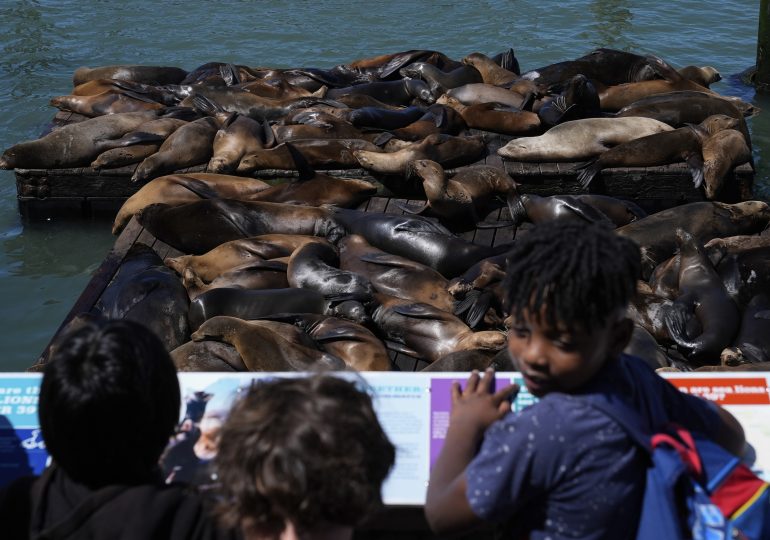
x=495 y=117
x=263 y=349
x=100 y=86
x=189 y=145
x=580 y=139
x=752 y=346
x=231 y=99
x=207 y=356
x=276 y=88
x=476 y=93
x=331 y=128
x=236 y=253
x=480 y=275
x=427 y=332
x=703 y=296
x=73 y=145
x=153 y=75
x=441 y=81
x=722 y=152
x=237 y=137
x=319 y=190
x=466 y=197
x=126 y=155
x=447 y=150
x=321 y=153
x=138 y=144
x=176 y=189
x=704 y=76
x=253 y=276
x=198 y=227
x=491 y=72
x=704 y=220
x=682 y=144
x=394 y=275
x=105 y=103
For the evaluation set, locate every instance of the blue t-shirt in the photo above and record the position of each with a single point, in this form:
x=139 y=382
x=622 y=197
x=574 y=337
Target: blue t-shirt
x=563 y=469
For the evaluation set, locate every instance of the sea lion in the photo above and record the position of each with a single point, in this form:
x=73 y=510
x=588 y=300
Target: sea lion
x=642 y=345
x=394 y=275
x=126 y=155
x=495 y=117
x=490 y=72
x=473 y=359
x=682 y=144
x=415 y=238
x=315 y=266
x=105 y=103
x=722 y=152
x=476 y=93
x=745 y=273
x=647 y=310
x=253 y=276
x=439 y=81
x=464 y=199
x=480 y=275
x=704 y=220
x=703 y=296
x=402 y=92
x=198 y=227
x=579 y=99
x=263 y=349
x=207 y=356
x=238 y=136
x=349 y=341
x=375 y=117
x=237 y=253
x=321 y=153
x=143 y=290
x=189 y=145
x=427 y=332
x=608 y=66
x=138 y=144
x=176 y=189
x=73 y=145
x=752 y=345
x=704 y=76
x=447 y=150
x=100 y=86
x=248 y=305
x=436 y=120
x=537 y=209
x=580 y=139
x=153 y=75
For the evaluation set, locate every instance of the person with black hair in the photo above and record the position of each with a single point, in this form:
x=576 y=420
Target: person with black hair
x=109 y=401
x=562 y=468
x=302 y=458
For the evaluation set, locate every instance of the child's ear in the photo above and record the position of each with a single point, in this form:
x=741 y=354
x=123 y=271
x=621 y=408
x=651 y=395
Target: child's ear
x=621 y=335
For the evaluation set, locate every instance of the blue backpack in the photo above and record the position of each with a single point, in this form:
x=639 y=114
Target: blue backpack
x=695 y=489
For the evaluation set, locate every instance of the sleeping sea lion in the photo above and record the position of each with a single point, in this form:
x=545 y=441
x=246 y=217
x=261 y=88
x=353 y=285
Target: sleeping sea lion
x=444 y=149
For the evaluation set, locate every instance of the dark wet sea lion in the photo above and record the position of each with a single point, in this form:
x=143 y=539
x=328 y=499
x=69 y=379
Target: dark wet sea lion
x=643 y=345
x=606 y=65
x=143 y=290
x=236 y=100
x=722 y=152
x=394 y=275
x=316 y=267
x=253 y=276
x=579 y=99
x=321 y=153
x=682 y=144
x=375 y=117
x=537 y=209
x=441 y=81
x=248 y=305
x=580 y=139
x=416 y=238
x=189 y=145
x=647 y=310
x=473 y=359
x=466 y=197
x=351 y=342
x=704 y=220
x=332 y=128
x=207 y=356
x=752 y=346
x=176 y=189
x=154 y=75
x=428 y=332
x=402 y=92
x=74 y=145
x=703 y=296
x=745 y=273
x=263 y=349
x=198 y=227
x=238 y=136
x=479 y=276
x=447 y=150
x=237 y=253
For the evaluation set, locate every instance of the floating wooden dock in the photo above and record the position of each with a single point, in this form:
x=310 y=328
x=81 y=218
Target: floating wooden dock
x=134 y=233
x=88 y=192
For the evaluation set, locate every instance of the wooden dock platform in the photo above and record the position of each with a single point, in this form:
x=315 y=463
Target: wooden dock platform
x=88 y=192
x=134 y=233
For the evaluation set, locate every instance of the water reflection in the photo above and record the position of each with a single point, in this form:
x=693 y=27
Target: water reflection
x=613 y=24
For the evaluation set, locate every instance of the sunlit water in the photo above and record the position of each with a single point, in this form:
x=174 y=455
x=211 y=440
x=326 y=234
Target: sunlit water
x=44 y=266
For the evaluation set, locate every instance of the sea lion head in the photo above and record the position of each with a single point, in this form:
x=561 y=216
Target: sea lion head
x=217 y=328
x=419 y=89
x=719 y=122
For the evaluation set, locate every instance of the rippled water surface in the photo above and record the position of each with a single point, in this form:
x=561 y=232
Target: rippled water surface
x=44 y=266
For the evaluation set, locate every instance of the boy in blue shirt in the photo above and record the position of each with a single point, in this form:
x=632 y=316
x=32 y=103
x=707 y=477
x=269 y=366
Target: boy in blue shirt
x=561 y=468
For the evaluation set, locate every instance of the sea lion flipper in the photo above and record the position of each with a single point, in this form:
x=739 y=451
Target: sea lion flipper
x=588 y=171
x=229 y=74
x=413 y=209
x=419 y=311
x=382 y=139
x=675 y=318
x=229 y=120
x=138 y=137
x=401 y=348
x=695 y=164
x=474 y=305
x=203 y=104
x=306 y=172
x=663 y=68
x=586 y=211
x=268 y=135
x=493 y=224
x=384 y=259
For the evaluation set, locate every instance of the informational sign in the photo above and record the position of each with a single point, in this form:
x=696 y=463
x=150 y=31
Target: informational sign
x=414 y=409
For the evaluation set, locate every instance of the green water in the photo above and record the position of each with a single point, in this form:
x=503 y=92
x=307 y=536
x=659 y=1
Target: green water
x=44 y=266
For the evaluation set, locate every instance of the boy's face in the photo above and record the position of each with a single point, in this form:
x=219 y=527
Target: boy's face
x=560 y=360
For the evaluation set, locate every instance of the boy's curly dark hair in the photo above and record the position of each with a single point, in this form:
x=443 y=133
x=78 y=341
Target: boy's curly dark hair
x=579 y=273
x=306 y=450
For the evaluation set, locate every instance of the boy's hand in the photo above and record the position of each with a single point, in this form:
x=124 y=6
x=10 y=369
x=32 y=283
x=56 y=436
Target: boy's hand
x=475 y=408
